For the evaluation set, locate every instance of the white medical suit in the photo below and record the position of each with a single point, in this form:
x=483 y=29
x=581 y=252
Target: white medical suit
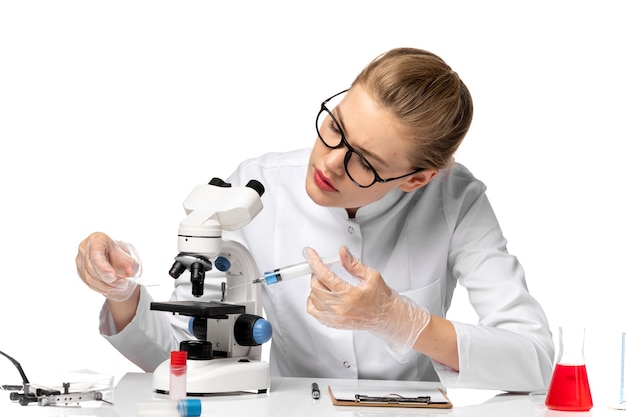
x=423 y=243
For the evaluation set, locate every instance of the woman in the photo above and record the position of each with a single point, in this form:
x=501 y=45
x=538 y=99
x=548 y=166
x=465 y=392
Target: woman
x=382 y=189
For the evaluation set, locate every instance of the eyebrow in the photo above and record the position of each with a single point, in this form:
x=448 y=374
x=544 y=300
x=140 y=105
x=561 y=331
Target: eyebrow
x=365 y=152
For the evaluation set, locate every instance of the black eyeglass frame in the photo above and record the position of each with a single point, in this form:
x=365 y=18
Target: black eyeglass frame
x=351 y=150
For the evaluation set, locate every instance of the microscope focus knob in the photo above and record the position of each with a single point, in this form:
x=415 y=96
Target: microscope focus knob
x=222 y=263
x=252 y=330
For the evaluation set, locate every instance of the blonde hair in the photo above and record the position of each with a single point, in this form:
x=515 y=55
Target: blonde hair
x=430 y=101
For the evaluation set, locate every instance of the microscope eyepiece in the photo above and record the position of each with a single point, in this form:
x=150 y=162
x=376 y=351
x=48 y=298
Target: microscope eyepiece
x=218 y=182
x=256 y=186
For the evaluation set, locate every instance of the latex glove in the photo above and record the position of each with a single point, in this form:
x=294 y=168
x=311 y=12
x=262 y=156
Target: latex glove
x=104 y=265
x=371 y=305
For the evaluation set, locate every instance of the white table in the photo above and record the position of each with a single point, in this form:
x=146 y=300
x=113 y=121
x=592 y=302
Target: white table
x=292 y=397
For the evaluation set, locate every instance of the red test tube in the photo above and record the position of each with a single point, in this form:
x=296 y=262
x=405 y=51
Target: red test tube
x=178 y=375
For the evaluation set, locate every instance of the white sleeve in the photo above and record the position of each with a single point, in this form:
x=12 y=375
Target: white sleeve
x=493 y=358
x=149 y=338
x=511 y=347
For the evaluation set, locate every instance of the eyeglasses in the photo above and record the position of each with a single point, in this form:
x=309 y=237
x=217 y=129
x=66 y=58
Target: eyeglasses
x=329 y=131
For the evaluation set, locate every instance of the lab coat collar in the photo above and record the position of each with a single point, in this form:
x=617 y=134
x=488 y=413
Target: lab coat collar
x=377 y=208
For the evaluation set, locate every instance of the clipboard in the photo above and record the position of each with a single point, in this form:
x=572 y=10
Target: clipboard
x=389 y=397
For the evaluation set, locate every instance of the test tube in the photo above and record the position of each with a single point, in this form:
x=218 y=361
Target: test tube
x=178 y=375
x=622 y=393
x=182 y=408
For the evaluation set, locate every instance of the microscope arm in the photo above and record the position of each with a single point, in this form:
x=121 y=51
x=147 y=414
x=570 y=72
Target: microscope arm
x=239 y=277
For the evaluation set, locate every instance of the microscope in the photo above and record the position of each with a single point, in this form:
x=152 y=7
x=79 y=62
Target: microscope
x=226 y=357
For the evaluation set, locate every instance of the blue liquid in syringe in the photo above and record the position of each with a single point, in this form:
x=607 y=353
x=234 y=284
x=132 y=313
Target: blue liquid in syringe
x=293 y=271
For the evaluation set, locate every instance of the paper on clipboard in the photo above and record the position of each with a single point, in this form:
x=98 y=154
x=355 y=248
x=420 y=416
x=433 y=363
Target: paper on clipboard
x=388 y=397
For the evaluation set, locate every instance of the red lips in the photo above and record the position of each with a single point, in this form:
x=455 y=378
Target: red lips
x=323 y=181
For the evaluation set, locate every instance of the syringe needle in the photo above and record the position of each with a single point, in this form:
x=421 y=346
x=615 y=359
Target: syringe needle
x=254 y=281
x=241 y=285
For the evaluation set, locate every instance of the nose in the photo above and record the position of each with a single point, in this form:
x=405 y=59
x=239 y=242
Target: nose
x=334 y=160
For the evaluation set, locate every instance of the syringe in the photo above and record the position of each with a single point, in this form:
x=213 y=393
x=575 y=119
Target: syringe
x=293 y=271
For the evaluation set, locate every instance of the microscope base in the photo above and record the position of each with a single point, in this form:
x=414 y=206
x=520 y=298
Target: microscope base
x=217 y=376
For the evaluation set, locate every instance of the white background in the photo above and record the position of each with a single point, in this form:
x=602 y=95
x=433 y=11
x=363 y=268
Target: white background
x=110 y=112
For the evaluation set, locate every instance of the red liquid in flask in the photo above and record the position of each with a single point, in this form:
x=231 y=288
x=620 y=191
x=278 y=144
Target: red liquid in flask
x=569 y=389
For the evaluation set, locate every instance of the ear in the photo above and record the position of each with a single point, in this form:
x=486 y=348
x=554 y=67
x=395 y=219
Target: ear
x=418 y=180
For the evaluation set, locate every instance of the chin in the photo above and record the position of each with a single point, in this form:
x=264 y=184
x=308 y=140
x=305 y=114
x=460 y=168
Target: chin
x=318 y=196
x=314 y=193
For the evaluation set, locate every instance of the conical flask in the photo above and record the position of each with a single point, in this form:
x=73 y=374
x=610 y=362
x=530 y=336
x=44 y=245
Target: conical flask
x=569 y=389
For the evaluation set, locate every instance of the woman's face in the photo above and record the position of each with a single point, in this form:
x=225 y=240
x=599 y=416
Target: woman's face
x=375 y=133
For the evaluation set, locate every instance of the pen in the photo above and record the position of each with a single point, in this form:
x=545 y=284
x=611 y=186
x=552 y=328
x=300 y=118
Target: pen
x=315 y=391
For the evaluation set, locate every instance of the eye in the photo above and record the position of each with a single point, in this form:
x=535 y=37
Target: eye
x=334 y=127
x=365 y=165
x=358 y=163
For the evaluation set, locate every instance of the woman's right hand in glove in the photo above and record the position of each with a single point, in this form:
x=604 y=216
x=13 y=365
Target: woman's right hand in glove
x=104 y=265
